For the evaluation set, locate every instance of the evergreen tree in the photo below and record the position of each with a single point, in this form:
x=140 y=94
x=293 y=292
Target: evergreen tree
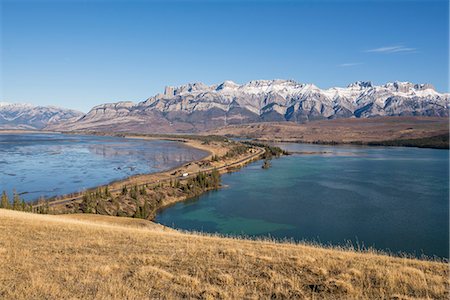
x=46 y=207
x=138 y=213
x=16 y=201
x=134 y=192
x=5 y=201
x=107 y=193
x=215 y=178
x=87 y=203
x=143 y=191
x=145 y=210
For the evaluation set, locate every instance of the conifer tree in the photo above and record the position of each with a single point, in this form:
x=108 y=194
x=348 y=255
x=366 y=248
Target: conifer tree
x=46 y=207
x=5 y=201
x=86 y=204
x=16 y=201
x=124 y=190
x=107 y=193
x=143 y=191
x=215 y=177
x=145 y=210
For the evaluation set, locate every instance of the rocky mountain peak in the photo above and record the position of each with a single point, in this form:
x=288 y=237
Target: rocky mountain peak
x=424 y=86
x=272 y=82
x=28 y=116
x=227 y=84
x=196 y=106
x=360 y=84
x=407 y=87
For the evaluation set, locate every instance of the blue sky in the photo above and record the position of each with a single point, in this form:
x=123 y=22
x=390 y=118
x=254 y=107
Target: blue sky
x=77 y=54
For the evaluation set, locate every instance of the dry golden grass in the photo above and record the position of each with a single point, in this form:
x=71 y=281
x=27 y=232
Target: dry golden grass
x=342 y=130
x=90 y=256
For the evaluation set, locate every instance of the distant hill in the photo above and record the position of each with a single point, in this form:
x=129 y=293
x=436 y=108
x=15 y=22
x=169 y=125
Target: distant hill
x=429 y=132
x=27 y=116
x=198 y=107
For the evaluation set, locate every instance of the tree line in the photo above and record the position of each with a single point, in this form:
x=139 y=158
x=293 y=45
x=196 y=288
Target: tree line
x=15 y=203
x=146 y=200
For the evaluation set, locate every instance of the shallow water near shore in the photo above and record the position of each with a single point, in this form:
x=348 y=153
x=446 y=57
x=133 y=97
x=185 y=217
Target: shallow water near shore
x=392 y=199
x=54 y=164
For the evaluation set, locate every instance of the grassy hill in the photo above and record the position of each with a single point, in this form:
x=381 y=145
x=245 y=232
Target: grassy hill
x=429 y=132
x=92 y=256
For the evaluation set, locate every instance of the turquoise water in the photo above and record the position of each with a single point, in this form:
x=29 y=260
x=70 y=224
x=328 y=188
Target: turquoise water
x=394 y=199
x=53 y=164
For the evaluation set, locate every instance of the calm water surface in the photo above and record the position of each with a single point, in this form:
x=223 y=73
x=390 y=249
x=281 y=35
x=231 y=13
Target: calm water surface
x=54 y=164
x=394 y=199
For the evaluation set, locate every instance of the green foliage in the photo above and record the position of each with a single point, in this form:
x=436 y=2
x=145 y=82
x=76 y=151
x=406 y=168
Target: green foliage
x=176 y=184
x=201 y=182
x=145 y=210
x=17 y=204
x=43 y=206
x=438 y=142
x=107 y=193
x=89 y=202
x=124 y=190
x=236 y=150
x=5 y=201
x=134 y=192
x=138 y=213
x=266 y=164
x=271 y=151
x=143 y=191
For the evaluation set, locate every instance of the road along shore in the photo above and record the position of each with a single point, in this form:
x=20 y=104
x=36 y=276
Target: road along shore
x=224 y=156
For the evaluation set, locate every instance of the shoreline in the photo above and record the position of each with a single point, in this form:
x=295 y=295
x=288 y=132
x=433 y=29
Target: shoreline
x=25 y=131
x=192 y=141
x=183 y=142
x=118 y=255
x=403 y=143
x=180 y=137
x=157 y=178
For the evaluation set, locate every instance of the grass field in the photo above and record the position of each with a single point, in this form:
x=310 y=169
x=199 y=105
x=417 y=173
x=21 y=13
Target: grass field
x=91 y=256
x=397 y=131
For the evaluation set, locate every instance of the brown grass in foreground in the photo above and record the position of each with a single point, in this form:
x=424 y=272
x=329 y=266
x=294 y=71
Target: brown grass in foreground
x=91 y=256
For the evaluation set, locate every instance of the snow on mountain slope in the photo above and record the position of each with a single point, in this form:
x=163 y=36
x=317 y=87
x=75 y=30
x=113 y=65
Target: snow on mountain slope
x=27 y=116
x=196 y=106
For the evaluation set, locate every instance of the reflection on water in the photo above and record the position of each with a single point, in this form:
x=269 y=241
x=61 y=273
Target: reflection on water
x=51 y=164
x=389 y=198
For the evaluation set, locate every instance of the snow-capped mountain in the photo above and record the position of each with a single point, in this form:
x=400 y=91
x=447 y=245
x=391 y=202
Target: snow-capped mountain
x=196 y=106
x=27 y=116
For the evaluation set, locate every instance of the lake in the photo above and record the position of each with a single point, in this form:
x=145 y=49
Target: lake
x=393 y=199
x=53 y=164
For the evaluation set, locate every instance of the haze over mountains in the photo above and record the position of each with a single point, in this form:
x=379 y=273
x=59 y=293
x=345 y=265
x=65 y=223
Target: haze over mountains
x=197 y=107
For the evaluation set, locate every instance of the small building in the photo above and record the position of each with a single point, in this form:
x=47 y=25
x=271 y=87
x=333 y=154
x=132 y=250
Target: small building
x=185 y=174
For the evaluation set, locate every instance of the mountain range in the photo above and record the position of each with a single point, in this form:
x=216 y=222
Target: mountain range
x=198 y=107
x=27 y=116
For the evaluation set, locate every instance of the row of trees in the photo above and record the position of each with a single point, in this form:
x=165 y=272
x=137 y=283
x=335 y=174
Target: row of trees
x=15 y=203
x=271 y=151
x=146 y=199
x=236 y=150
x=201 y=182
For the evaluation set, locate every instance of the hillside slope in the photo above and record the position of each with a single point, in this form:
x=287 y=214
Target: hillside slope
x=342 y=130
x=90 y=256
